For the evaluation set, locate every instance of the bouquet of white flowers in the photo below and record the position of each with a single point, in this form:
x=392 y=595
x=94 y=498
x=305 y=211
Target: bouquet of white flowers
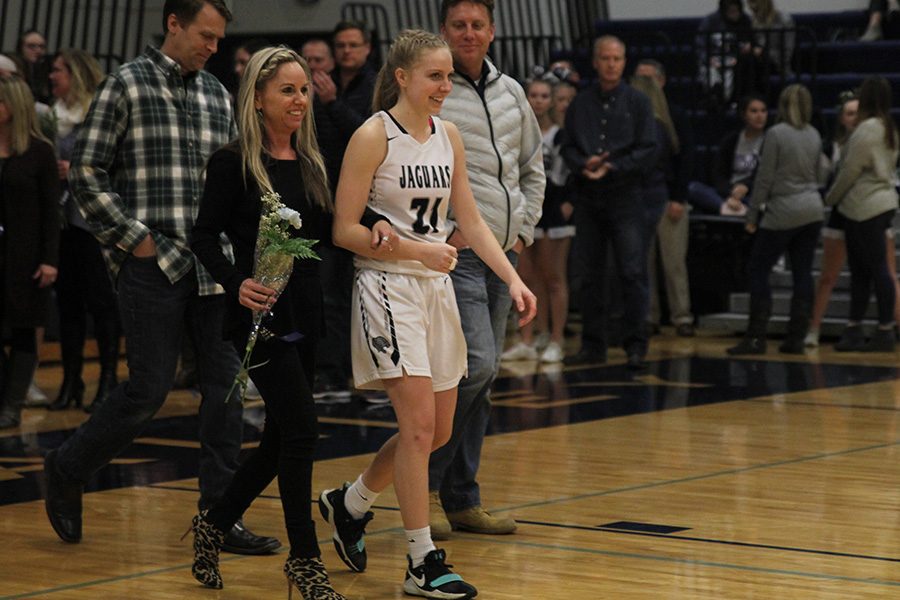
x=273 y=261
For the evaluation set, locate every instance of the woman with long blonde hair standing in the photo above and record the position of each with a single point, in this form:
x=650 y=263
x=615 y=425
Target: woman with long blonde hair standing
x=29 y=243
x=84 y=285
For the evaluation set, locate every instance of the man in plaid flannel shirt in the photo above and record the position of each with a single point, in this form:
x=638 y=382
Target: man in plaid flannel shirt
x=136 y=175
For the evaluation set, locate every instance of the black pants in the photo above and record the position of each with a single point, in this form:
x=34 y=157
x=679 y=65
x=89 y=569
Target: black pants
x=768 y=245
x=287 y=445
x=84 y=286
x=867 y=256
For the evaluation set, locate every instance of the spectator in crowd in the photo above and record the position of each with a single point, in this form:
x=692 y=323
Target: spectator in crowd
x=543 y=264
x=83 y=285
x=660 y=181
x=724 y=49
x=671 y=234
x=159 y=113
x=734 y=167
x=318 y=55
x=276 y=152
x=787 y=185
x=342 y=102
x=29 y=196
x=610 y=146
x=834 y=248
x=864 y=192
x=32 y=50
x=773 y=40
x=407 y=333
x=243 y=53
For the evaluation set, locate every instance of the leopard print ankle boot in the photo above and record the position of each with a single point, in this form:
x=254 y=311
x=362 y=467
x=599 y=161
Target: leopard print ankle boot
x=309 y=576
x=207 y=544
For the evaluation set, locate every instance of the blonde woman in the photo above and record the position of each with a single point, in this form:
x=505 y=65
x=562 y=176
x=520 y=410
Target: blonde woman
x=864 y=193
x=276 y=152
x=543 y=264
x=84 y=284
x=410 y=165
x=29 y=193
x=787 y=186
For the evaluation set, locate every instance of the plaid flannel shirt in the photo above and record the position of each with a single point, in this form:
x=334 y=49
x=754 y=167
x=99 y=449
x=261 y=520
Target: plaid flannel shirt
x=139 y=159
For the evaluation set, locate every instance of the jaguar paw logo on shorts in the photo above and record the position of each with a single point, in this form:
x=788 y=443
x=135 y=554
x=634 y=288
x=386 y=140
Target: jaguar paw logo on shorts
x=380 y=344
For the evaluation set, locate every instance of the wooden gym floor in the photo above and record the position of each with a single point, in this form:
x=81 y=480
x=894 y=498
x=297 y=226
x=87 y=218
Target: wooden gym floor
x=703 y=477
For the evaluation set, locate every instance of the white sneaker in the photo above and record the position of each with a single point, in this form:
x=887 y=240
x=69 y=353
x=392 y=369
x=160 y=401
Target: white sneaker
x=521 y=351
x=552 y=353
x=811 y=340
x=36 y=398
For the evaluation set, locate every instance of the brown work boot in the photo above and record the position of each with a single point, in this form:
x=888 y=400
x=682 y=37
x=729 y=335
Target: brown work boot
x=437 y=520
x=478 y=520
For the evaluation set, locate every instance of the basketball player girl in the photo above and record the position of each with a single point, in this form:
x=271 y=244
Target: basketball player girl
x=407 y=164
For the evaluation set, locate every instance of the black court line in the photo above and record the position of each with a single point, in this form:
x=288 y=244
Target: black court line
x=686 y=538
x=825 y=404
x=704 y=476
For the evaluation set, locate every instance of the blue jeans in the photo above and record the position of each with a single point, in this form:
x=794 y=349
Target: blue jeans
x=484 y=303
x=621 y=220
x=155 y=314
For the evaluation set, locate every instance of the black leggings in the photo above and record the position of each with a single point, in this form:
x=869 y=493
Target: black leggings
x=867 y=256
x=287 y=444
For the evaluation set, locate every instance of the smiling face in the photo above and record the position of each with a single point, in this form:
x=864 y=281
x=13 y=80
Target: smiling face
x=427 y=83
x=60 y=78
x=191 y=44
x=469 y=31
x=284 y=100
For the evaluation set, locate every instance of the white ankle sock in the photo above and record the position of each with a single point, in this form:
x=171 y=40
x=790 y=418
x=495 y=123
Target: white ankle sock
x=359 y=499
x=420 y=544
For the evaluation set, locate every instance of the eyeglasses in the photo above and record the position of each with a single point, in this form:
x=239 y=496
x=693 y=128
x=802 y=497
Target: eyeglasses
x=36 y=46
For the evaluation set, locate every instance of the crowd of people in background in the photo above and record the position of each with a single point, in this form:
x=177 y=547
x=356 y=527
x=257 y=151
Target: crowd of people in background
x=597 y=165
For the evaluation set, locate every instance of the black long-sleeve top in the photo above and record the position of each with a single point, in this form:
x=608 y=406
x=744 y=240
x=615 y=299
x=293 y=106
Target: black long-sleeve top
x=233 y=208
x=619 y=121
x=338 y=120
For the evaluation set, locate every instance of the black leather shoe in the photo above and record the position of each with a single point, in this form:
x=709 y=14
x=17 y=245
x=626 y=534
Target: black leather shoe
x=241 y=540
x=585 y=357
x=63 y=502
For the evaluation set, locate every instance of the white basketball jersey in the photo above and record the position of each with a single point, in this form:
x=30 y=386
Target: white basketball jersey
x=412 y=189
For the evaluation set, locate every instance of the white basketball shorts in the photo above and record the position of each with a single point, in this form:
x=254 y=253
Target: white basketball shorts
x=406 y=324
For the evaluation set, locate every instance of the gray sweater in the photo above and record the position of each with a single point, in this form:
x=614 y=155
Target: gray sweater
x=786 y=182
x=864 y=187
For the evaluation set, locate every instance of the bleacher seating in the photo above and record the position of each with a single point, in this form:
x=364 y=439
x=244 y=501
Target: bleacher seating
x=827 y=59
